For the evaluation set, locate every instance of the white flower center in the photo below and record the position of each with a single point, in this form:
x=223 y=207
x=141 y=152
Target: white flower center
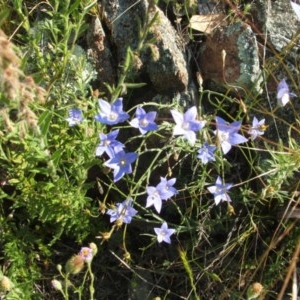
x=220 y=190
x=185 y=126
x=154 y=195
x=112 y=116
x=223 y=136
x=123 y=162
x=106 y=143
x=144 y=122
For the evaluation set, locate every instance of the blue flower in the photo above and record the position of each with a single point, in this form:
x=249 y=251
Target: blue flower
x=219 y=190
x=187 y=124
x=258 y=128
x=153 y=198
x=283 y=93
x=144 y=121
x=121 y=163
x=163 y=233
x=109 y=144
x=165 y=188
x=122 y=212
x=111 y=114
x=227 y=134
x=206 y=153
x=163 y=191
x=75 y=117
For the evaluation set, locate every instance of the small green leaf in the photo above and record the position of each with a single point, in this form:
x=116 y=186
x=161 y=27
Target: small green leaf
x=44 y=122
x=13 y=181
x=56 y=156
x=135 y=85
x=215 y=277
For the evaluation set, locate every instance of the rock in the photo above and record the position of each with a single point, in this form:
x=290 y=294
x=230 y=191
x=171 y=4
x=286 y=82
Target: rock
x=279 y=23
x=169 y=72
x=241 y=67
x=162 y=61
x=99 y=52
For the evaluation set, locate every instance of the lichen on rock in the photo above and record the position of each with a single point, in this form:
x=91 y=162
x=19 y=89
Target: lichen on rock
x=230 y=58
x=161 y=60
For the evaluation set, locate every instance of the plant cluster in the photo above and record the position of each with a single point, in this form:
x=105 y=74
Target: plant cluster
x=139 y=179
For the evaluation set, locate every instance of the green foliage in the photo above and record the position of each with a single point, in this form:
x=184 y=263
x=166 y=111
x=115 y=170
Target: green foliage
x=45 y=163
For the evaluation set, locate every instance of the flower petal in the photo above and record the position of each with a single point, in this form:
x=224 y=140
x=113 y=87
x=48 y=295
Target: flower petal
x=117 y=106
x=135 y=123
x=191 y=137
x=226 y=146
x=105 y=107
x=190 y=114
x=177 y=116
x=236 y=138
x=140 y=112
x=178 y=130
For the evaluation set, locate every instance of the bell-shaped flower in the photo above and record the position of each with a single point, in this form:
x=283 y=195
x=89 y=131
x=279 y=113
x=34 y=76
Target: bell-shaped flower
x=219 y=190
x=227 y=135
x=109 y=144
x=187 y=124
x=163 y=191
x=153 y=198
x=111 y=114
x=86 y=253
x=206 y=153
x=258 y=128
x=165 y=188
x=75 y=117
x=144 y=121
x=121 y=163
x=123 y=212
x=163 y=233
x=283 y=93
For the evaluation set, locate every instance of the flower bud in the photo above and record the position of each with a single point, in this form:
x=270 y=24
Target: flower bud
x=102 y=207
x=59 y=268
x=94 y=247
x=75 y=264
x=127 y=256
x=119 y=222
x=56 y=285
x=254 y=290
x=6 y=284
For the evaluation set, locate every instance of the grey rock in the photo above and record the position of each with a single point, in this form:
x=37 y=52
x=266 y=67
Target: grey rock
x=207 y=7
x=241 y=68
x=280 y=25
x=121 y=17
x=167 y=68
x=168 y=73
x=99 y=52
